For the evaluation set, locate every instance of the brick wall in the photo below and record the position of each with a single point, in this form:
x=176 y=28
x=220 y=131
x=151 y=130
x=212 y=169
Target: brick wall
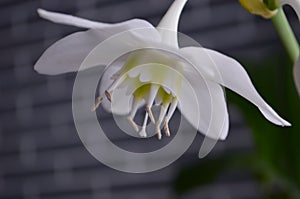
x=41 y=155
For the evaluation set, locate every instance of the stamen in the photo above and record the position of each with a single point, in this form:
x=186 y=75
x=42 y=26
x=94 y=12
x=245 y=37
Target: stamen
x=162 y=114
x=136 y=104
x=166 y=128
x=143 y=132
x=108 y=95
x=158 y=132
x=152 y=94
x=98 y=101
x=113 y=86
x=169 y=116
x=133 y=124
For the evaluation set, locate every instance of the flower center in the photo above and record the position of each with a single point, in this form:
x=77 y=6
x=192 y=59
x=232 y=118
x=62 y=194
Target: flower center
x=147 y=75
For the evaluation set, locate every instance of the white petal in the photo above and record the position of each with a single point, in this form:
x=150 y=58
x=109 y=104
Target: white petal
x=209 y=143
x=229 y=73
x=67 y=54
x=121 y=44
x=295 y=4
x=211 y=104
x=296 y=73
x=168 y=25
x=159 y=74
x=84 y=23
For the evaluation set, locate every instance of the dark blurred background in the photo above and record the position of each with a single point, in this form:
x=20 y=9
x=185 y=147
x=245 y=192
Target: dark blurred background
x=41 y=155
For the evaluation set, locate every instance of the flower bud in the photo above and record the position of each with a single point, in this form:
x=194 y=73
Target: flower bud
x=258 y=7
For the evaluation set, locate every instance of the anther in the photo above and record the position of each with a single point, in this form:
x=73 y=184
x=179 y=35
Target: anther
x=158 y=132
x=108 y=95
x=169 y=116
x=136 y=104
x=98 y=101
x=143 y=130
x=143 y=133
x=166 y=128
x=113 y=86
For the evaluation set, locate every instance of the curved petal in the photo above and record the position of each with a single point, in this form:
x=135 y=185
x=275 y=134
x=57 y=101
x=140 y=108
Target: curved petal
x=67 y=54
x=168 y=25
x=121 y=44
x=229 y=73
x=296 y=73
x=211 y=103
x=209 y=143
x=84 y=23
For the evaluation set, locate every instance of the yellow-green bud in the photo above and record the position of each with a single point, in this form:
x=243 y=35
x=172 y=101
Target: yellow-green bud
x=258 y=7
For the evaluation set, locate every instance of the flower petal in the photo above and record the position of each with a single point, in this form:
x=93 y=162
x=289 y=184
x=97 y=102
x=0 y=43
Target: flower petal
x=296 y=73
x=118 y=45
x=67 y=54
x=84 y=23
x=229 y=73
x=211 y=103
x=209 y=143
x=168 y=25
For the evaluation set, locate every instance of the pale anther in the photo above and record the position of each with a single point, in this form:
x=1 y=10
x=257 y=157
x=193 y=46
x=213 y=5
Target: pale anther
x=108 y=95
x=98 y=101
x=166 y=129
x=113 y=86
x=143 y=130
x=169 y=116
x=158 y=132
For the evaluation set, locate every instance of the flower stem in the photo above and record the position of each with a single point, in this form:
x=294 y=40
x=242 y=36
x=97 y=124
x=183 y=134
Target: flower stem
x=286 y=34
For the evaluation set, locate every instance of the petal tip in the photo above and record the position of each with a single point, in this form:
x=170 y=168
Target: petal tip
x=285 y=123
x=224 y=137
x=36 y=67
x=202 y=155
x=41 y=12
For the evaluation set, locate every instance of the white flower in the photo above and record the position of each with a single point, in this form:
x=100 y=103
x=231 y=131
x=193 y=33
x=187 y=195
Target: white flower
x=295 y=4
x=217 y=70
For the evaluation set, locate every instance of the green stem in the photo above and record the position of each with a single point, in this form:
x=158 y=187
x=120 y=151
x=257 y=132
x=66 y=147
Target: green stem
x=286 y=35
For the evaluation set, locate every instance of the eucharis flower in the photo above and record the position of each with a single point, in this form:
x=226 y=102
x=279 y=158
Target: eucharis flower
x=217 y=70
